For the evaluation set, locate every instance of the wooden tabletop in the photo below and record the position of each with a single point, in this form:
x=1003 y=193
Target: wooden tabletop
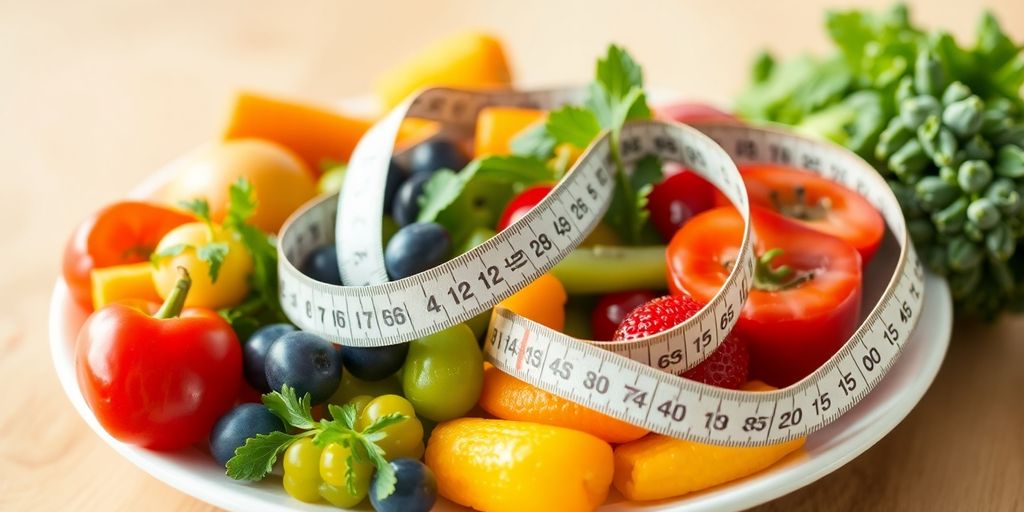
x=95 y=95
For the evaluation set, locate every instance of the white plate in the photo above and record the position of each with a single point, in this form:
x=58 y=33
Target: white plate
x=195 y=473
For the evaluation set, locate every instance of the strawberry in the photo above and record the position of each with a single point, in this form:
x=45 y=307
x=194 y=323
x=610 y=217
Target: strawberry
x=727 y=367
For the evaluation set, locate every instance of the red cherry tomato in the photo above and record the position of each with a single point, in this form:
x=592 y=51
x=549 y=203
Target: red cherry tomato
x=794 y=319
x=678 y=198
x=122 y=233
x=161 y=381
x=521 y=204
x=691 y=112
x=817 y=203
x=612 y=308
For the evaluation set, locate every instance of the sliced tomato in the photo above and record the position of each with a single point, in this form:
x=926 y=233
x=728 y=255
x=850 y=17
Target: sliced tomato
x=793 y=320
x=817 y=203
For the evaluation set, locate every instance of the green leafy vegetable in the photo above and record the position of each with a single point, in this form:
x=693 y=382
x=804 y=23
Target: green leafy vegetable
x=938 y=120
x=474 y=197
x=615 y=97
x=256 y=458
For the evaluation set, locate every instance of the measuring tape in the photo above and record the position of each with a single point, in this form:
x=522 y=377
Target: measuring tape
x=615 y=378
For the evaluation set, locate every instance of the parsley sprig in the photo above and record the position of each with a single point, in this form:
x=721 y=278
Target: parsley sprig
x=615 y=97
x=261 y=307
x=257 y=456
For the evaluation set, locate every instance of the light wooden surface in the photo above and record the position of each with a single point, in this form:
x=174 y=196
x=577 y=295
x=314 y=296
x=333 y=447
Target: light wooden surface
x=95 y=95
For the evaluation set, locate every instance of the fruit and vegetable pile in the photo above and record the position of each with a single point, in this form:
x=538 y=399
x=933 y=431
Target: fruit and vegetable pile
x=187 y=344
x=942 y=122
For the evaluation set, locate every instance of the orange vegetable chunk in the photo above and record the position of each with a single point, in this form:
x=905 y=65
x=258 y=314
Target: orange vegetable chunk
x=316 y=134
x=471 y=60
x=511 y=466
x=507 y=397
x=132 y=281
x=497 y=126
x=658 y=467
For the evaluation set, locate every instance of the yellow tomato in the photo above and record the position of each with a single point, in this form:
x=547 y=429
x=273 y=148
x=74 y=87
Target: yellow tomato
x=281 y=182
x=232 y=283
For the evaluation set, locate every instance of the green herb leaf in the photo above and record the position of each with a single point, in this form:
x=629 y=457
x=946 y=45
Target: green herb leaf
x=213 y=254
x=199 y=207
x=385 y=480
x=534 y=141
x=573 y=125
x=618 y=73
x=168 y=252
x=293 y=410
x=242 y=202
x=383 y=422
x=477 y=195
x=254 y=459
x=346 y=414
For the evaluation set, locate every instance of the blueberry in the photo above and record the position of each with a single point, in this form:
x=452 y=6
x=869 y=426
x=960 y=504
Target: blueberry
x=239 y=424
x=415 y=490
x=374 y=363
x=415 y=248
x=322 y=265
x=306 y=362
x=254 y=353
x=435 y=154
x=396 y=175
x=406 y=206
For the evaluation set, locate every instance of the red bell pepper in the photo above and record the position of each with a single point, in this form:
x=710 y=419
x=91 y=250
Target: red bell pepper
x=122 y=233
x=805 y=300
x=817 y=203
x=159 y=381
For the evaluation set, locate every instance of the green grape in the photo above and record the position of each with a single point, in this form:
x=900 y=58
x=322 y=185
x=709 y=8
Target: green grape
x=405 y=438
x=352 y=387
x=443 y=373
x=334 y=466
x=302 y=470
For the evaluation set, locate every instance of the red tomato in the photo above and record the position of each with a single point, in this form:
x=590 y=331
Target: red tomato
x=793 y=322
x=678 y=198
x=522 y=204
x=817 y=203
x=612 y=308
x=161 y=381
x=691 y=112
x=122 y=233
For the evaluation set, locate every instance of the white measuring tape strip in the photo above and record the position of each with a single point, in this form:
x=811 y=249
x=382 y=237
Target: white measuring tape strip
x=616 y=378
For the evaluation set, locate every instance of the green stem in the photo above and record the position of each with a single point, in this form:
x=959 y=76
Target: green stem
x=625 y=187
x=768 y=279
x=175 y=301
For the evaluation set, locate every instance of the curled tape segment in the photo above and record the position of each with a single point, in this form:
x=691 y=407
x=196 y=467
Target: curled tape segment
x=615 y=378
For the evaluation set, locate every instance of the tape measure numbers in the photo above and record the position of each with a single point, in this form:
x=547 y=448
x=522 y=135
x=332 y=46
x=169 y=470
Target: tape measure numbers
x=615 y=378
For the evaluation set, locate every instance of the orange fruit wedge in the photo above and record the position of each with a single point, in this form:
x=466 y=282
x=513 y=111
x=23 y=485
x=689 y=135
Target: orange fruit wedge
x=512 y=466
x=658 y=467
x=507 y=397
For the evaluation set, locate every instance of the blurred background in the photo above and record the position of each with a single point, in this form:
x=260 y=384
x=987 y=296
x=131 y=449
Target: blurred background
x=95 y=95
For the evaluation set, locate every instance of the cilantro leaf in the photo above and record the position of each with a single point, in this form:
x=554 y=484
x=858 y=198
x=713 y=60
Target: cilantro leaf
x=618 y=73
x=476 y=196
x=385 y=480
x=346 y=414
x=168 y=252
x=242 y=202
x=534 y=141
x=213 y=254
x=295 y=411
x=254 y=459
x=262 y=305
x=573 y=125
x=383 y=422
x=199 y=207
